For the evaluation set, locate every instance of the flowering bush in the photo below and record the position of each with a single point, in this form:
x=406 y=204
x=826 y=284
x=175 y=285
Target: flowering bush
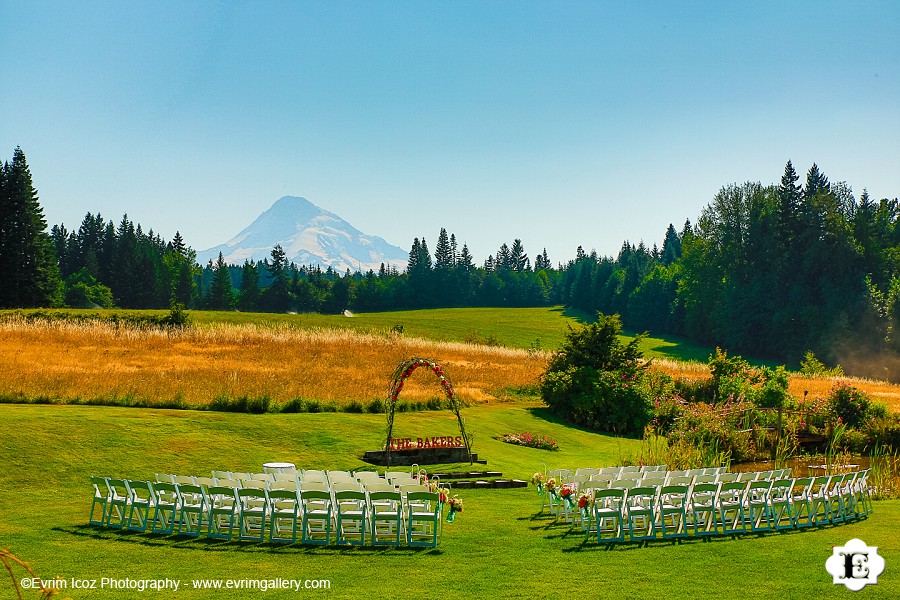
x=849 y=404
x=705 y=426
x=541 y=442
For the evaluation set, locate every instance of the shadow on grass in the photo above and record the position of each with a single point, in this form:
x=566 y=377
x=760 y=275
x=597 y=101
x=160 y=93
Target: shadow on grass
x=214 y=545
x=583 y=317
x=593 y=545
x=545 y=414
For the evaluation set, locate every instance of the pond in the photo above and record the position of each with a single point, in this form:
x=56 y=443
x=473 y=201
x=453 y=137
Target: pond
x=808 y=466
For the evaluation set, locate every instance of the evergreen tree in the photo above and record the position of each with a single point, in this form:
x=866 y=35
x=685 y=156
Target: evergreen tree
x=789 y=196
x=443 y=253
x=454 y=253
x=221 y=293
x=248 y=299
x=671 y=250
x=816 y=182
x=414 y=254
x=277 y=297
x=28 y=265
x=517 y=258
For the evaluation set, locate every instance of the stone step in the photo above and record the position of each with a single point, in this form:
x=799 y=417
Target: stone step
x=496 y=484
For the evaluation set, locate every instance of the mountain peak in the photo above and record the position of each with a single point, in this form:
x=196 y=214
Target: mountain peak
x=309 y=235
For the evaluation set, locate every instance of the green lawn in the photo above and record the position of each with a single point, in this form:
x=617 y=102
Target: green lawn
x=499 y=547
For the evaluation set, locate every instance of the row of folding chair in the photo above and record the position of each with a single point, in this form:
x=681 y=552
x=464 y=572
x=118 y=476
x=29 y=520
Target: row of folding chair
x=726 y=508
x=185 y=509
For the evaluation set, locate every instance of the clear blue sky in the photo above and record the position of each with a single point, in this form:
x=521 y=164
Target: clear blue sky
x=560 y=123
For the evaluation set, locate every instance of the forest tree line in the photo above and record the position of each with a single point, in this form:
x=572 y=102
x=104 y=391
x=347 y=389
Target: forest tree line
x=771 y=271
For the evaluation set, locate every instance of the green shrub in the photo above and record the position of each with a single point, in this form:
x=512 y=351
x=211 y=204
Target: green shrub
x=667 y=410
x=376 y=406
x=354 y=406
x=734 y=379
x=434 y=404
x=695 y=390
x=883 y=432
x=596 y=381
x=294 y=405
x=813 y=367
x=243 y=404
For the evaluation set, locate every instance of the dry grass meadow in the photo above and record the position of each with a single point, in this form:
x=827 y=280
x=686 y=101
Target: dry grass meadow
x=66 y=361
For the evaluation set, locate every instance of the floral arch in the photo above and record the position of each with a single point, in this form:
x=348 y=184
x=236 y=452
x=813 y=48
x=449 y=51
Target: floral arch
x=401 y=374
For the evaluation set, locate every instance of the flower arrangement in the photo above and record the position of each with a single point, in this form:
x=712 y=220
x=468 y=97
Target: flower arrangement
x=456 y=506
x=585 y=501
x=531 y=440
x=551 y=487
x=442 y=492
x=567 y=493
x=537 y=480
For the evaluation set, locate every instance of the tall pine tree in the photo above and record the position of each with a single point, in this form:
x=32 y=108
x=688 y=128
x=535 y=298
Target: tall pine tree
x=28 y=267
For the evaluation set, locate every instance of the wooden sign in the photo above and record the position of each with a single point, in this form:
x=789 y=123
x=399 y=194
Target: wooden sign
x=443 y=441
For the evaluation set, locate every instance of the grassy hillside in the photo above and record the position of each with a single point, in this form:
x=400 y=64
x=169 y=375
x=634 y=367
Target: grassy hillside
x=541 y=328
x=500 y=547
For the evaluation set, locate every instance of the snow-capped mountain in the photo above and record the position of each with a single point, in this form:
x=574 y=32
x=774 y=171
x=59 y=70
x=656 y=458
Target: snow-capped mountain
x=309 y=236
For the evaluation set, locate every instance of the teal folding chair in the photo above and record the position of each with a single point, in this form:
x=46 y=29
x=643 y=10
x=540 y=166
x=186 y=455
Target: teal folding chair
x=101 y=499
x=191 y=509
x=141 y=505
x=223 y=509
x=863 y=493
x=351 y=509
x=835 y=499
x=386 y=518
x=317 y=517
x=165 y=499
x=673 y=511
x=802 y=505
x=252 y=505
x=781 y=501
x=703 y=509
x=731 y=506
x=608 y=515
x=759 y=508
x=640 y=510
x=423 y=519
x=284 y=513
x=820 y=508
x=118 y=503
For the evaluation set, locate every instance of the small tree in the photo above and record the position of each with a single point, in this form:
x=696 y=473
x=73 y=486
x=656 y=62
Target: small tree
x=597 y=381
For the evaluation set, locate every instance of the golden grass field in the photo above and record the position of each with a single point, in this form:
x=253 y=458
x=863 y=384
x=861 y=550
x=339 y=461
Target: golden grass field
x=69 y=360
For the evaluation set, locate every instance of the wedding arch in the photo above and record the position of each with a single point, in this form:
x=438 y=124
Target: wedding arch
x=401 y=374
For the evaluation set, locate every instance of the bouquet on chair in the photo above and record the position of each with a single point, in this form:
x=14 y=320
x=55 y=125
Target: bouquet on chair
x=537 y=480
x=568 y=494
x=456 y=505
x=442 y=492
x=551 y=488
x=585 y=501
